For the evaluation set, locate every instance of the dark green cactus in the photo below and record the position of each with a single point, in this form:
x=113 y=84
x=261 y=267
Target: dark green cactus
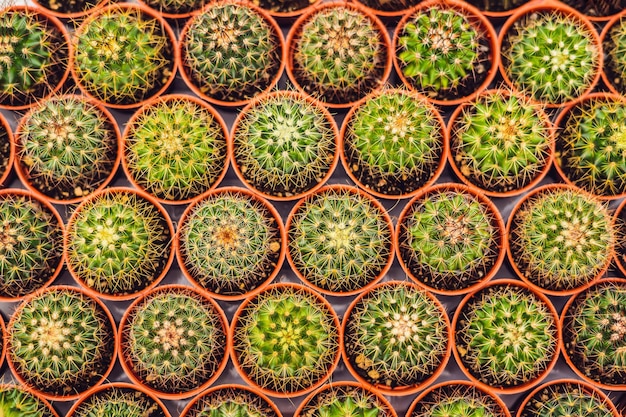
x=563 y=399
x=119 y=400
x=458 y=399
x=232 y=401
x=342 y=399
x=15 y=401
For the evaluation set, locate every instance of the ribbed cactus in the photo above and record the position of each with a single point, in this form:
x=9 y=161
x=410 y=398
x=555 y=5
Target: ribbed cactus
x=345 y=399
x=231 y=52
x=339 y=239
x=283 y=6
x=339 y=54
x=15 y=401
x=501 y=142
x=614 y=47
x=175 y=148
x=230 y=243
x=497 y=5
x=285 y=339
x=119 y=400
x=396 y=336
x=393 y=142
x=459 y=399
x=60 y=341
x=31 y=244
x=562 y=399
x=506 y=335
x=561 y=238
x=67 y=147
x=234 y=401
x=390 y=6
x=284 y=144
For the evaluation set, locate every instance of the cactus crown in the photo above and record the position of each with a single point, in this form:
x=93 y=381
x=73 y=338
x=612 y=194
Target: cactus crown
x=501 y=142
x=394 y=142
x=231 y=401
x=116 y=401
x=342 y=399
x=614 y=47
x=61 y=341
x=561 y=238
x=175 y=148
x=396 y=336
x=67 y=147
x=118 y=243
x=231 y=51
x=286 y=339
x=459 y=400
x=122 y=55
x=16 y=402
x=567 y=399
x=551 y=56
x=31 y=244
x=284 y=144
x=339 y=240
x=339 y=54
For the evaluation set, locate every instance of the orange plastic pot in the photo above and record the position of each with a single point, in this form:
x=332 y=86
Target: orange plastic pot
x=134 y=391
x=44 y=406
x=69 y=15
x=7 y=149
x=235 y=393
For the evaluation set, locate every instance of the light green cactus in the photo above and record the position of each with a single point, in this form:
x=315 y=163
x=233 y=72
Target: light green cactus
x=563 y=399
x=15 y=401
x=458 y=400
x=345 y=399
x=232 y=401
x=614 y=47
x=119 y=400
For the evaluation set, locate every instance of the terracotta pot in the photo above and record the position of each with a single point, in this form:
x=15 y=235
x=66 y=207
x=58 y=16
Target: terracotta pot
x=70 y=15
x=44 y=409
x=7 y=151
x=614 y=81
x=235 y=393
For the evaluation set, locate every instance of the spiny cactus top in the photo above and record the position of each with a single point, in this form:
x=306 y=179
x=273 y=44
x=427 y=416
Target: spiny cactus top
x=230 y=242
x=31 y=243
x=550 y=55
x=67 y=148
x=285 y=339
x=123 y=55
x=284 y=144
x=231 y=52
x=175 y=148
x=393 y=143
x=458 y=399
x=175 y=8
x=342 y=399
x=338 y=53
x=34 y=53
x=501 y=142
x=119 y=400
x=561 y=238
x=614 y=46
x=497 y=5
x=233 y=400
x=73 y=8
x=284 y=7
x=15 y=401
x=506 y=335
x=339 y=239
x=6 y=149
x=389 y=7
x=597 y=8
x=396 y=337
x=118 y=242
x=567 y=398
x=60 y=342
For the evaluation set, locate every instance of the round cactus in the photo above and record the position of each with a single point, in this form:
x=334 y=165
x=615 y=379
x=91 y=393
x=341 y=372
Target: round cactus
x=345 y=399
x=232 y=400
x=15 y=401
x=567 y=398
x=614 y=47
x=119 y=400
x=458 y=399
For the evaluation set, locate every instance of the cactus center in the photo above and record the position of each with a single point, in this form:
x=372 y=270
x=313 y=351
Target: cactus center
x=508 y=130
x=341 y=236
x=398 y=125
x=618 y=327
x=559 y=58
x=227 y=237
x=285 y=132
x=170 y=335
x=170 y=141
x=51 y=335
x=441 y=39
x=403 y=327
x=575 y=234
x=454 y=231
x=106 y=235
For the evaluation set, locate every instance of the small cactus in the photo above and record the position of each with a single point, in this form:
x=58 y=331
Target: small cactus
x=342 y=399
x=175 y=148
x=497 y=5
x=284 y=6
x=567 y=398
x=234 y=400
x=119 y=400
x=458 y=399
x=614 y=47
x=15 y=401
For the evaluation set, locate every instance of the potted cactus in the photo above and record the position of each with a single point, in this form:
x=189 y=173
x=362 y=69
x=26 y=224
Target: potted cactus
x=174 y=147
x=613 y=39
x=231 y=52
x=338 y=53
x=116 y=400
x=501 y=142
x=7 y=151
x=445 y=50
x=393 y=143
x=339 y=240
x=231 y=400
x=396 y=338
x=20 y=401
x=345 y=399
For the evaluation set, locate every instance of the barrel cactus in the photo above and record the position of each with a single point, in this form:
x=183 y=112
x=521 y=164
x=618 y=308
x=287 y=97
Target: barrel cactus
x=15 y=401
x=458 y=399
x=119 y=400
x=231 y=400
x=345 y=399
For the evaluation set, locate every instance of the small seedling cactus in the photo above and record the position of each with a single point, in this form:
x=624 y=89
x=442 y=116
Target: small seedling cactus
x=567 y=398
x=15 y=401
x=345 y=399
x=284 y=7
x=232 y=400
x=614 y=47
x=396 y=337
x=175 y=148
x=339 y=240
x=119 y=400
x=459 y=399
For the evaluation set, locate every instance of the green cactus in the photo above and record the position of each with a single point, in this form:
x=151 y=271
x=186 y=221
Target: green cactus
x=394 y=143
x=232 y=401
x=119 y=400
x=33 y=56
x=597 y=8
x=501 y=142
x=284 y=6
x=497 y=5
x=390 y=6
x=231 y=52
x=506 y=335
x=339 y=54
x=396 y=336
x=31 y=244
x=284 y=144
x=285 y=339
x=67 y=147
x=230 y=242
x=339 y=239
x=458 y=400
x=564 y=399
x=5 y=148
x=346 y=399
x=551 y=56
x=614 y=47
x=15 y=401
x=73 y=7
x=561 y=238
x=118 y=243
x=175 y=148
x=450 y=238
x=60 y=341
x=122 y=55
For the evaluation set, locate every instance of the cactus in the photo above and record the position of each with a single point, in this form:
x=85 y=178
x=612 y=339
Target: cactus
x=497 y=5
x=284 y=144
x=345 y=399
x=15 y=401
x=122 y=55
x=231 y=52
x=119 y=400
x=396 y=336
x=450 y=238
x=175 y=148
x=71 y=7
x=390 y=6
x=67 y=148
x=561 y=238
x=339 y=239
x=31 y=244
x=284 y=6
x=614 y=47
x=285 y=339
x=458 y=400
x=561 y=399
x=60 y=341
x=235 y=401
x=230 y=242
x=551 y=56
x=501 y=142
x=394 y=143
x=118 y=242
x=339 y=54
